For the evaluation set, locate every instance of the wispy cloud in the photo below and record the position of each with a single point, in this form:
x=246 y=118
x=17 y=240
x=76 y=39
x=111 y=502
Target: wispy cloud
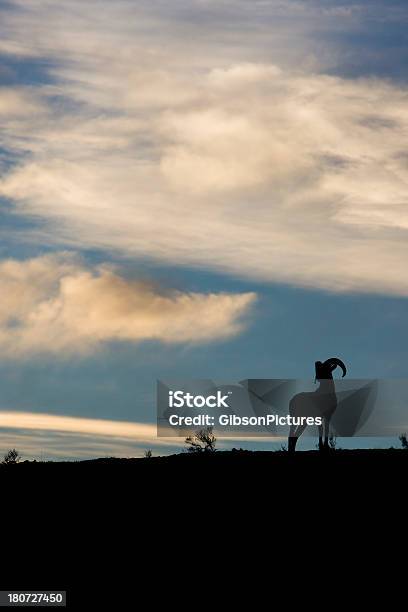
x=48 y=436
x=102 y=427
x=50 y=445
x=220 y=160
x=54 y=304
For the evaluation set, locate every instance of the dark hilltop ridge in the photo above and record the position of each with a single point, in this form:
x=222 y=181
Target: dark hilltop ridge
x=226 y=457
x=217 y=465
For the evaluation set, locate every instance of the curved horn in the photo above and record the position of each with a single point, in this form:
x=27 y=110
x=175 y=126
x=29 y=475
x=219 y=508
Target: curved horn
x=336 y=362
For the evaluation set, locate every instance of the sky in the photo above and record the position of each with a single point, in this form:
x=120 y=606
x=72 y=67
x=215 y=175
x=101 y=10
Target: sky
x=195 y=189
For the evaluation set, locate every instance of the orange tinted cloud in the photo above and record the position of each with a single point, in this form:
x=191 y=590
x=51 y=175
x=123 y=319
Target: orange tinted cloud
x=54 y=304
x=98 y=427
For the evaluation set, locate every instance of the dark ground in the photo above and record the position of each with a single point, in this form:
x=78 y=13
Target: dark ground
x=94 y=528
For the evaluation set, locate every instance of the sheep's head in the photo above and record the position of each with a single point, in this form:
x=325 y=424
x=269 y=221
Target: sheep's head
x=325 y=370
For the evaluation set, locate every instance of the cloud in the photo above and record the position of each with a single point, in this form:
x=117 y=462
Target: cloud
x=44 y=436
x=54 y=304
x=214 y=157
x=15 y=102
x=99 y=427
x=60 y=446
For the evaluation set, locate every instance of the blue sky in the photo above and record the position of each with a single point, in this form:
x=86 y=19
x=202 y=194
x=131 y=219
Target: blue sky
x=194 y=189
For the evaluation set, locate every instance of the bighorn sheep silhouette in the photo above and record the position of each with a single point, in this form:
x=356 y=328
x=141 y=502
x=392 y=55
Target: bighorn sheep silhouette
x=320 y=403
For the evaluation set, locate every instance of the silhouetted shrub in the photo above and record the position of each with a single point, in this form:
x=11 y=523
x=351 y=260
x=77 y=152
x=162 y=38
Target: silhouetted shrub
x=202 y=441
x=148 y=453
x=12 y=456
x=403 y=438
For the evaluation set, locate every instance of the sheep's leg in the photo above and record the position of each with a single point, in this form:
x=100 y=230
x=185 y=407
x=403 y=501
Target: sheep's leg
x=300 y=430
x=292 y=439
x=320 y=437
x=326 y=432
x=296 y=433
